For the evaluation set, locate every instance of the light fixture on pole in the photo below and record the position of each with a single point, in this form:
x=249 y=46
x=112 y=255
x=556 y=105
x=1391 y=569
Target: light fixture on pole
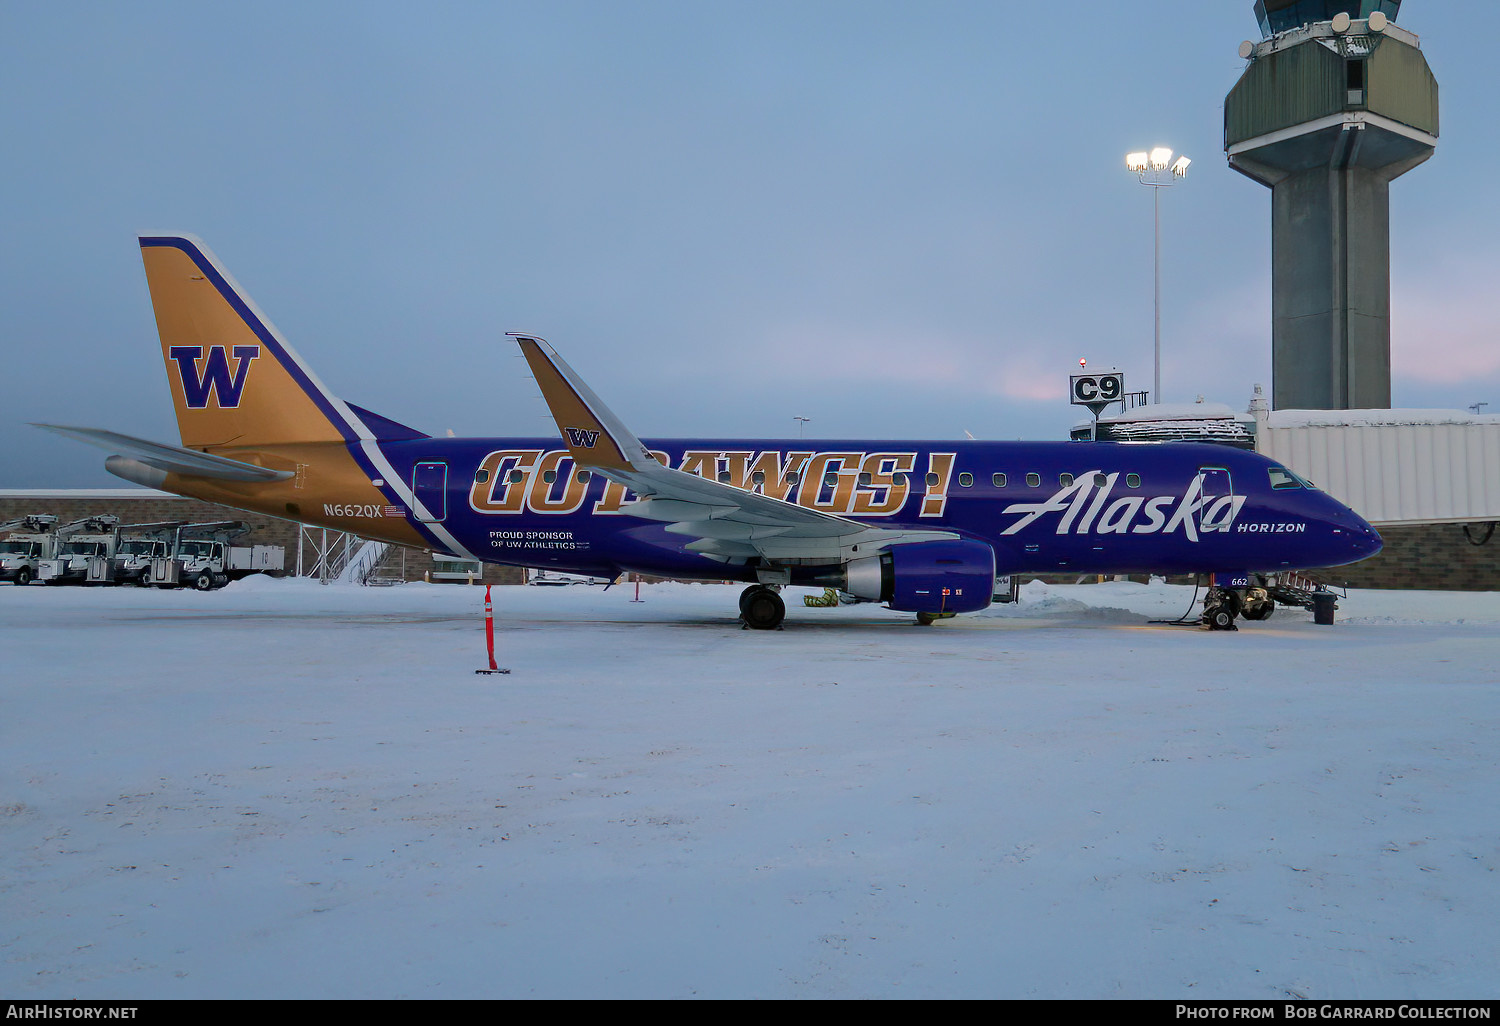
x=801 y=424
x=1158 y=170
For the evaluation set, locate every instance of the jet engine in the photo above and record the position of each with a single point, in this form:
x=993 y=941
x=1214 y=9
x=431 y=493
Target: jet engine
x=926 y=577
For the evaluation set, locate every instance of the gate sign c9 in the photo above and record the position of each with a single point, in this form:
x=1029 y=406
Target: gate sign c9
x=1097 y=390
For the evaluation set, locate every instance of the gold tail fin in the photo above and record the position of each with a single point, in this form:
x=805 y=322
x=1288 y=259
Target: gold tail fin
x=235 y=382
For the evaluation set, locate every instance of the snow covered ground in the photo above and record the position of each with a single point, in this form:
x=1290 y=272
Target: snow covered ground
x=293 y=791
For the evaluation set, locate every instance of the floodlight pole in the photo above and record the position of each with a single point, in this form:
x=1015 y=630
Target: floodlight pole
x=1156 y=276
x=1157 y=170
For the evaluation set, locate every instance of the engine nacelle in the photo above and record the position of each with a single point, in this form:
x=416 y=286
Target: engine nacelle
x=926 y=577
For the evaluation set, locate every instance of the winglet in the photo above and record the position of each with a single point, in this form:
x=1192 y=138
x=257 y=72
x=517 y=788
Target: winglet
x=595 y=437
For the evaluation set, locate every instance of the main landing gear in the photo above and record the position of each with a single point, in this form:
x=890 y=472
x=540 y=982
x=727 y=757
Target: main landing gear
x=761 y=608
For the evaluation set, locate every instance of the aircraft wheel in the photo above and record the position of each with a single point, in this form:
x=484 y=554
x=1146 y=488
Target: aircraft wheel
x=1259 y=605
x=745 y=595
x=1220 y=607
x=762 y=609
x=1220 y=619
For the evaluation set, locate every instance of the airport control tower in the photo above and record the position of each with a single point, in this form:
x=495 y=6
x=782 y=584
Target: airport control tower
x=1336 y=101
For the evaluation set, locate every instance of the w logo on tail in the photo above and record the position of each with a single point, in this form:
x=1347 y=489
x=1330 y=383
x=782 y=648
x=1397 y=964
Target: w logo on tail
x=213 y=375
x=582 y=439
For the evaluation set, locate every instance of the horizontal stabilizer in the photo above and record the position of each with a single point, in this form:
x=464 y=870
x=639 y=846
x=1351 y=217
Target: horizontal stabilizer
x=170 y=459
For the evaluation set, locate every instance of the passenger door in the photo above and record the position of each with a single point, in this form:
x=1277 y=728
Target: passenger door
x=1216 y=499
x=429 y=483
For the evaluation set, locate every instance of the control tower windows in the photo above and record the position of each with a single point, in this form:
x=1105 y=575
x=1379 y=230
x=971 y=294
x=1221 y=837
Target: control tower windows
x=1354 y=75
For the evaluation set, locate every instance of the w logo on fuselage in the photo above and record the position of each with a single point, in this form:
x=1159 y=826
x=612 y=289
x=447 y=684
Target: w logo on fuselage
x=581 y=438
x=201 y=376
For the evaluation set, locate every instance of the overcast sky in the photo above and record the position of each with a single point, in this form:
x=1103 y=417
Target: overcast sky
x=897 y=219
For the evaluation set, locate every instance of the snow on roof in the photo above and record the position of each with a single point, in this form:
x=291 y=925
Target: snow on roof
x=1374 y=418
x=1172 y=411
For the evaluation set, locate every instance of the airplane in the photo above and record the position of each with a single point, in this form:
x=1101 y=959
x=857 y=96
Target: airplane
x=923 y=527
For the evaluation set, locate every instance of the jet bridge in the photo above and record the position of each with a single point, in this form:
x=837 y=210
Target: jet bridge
x=1395 y=468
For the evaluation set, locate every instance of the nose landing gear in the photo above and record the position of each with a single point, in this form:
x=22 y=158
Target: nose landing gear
x=1220 y=607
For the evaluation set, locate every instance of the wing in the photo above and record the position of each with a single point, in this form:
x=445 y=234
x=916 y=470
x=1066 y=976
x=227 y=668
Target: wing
x=725 y=523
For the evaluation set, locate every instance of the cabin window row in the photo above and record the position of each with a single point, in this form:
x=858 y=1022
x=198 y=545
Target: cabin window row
x=1034 y=480
x=517 y=476
x=965 y=479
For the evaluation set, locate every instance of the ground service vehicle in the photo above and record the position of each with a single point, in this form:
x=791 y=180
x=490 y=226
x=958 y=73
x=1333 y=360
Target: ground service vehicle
x=140 y=545
x=24 y=543
x=203 y=557
x=85 y=552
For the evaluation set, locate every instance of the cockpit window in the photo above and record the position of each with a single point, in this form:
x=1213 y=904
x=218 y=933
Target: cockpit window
x=1284 y=478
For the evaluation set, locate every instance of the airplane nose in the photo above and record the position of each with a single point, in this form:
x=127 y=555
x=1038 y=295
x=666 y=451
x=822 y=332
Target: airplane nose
x=1365 y=540
x=1369 y=541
